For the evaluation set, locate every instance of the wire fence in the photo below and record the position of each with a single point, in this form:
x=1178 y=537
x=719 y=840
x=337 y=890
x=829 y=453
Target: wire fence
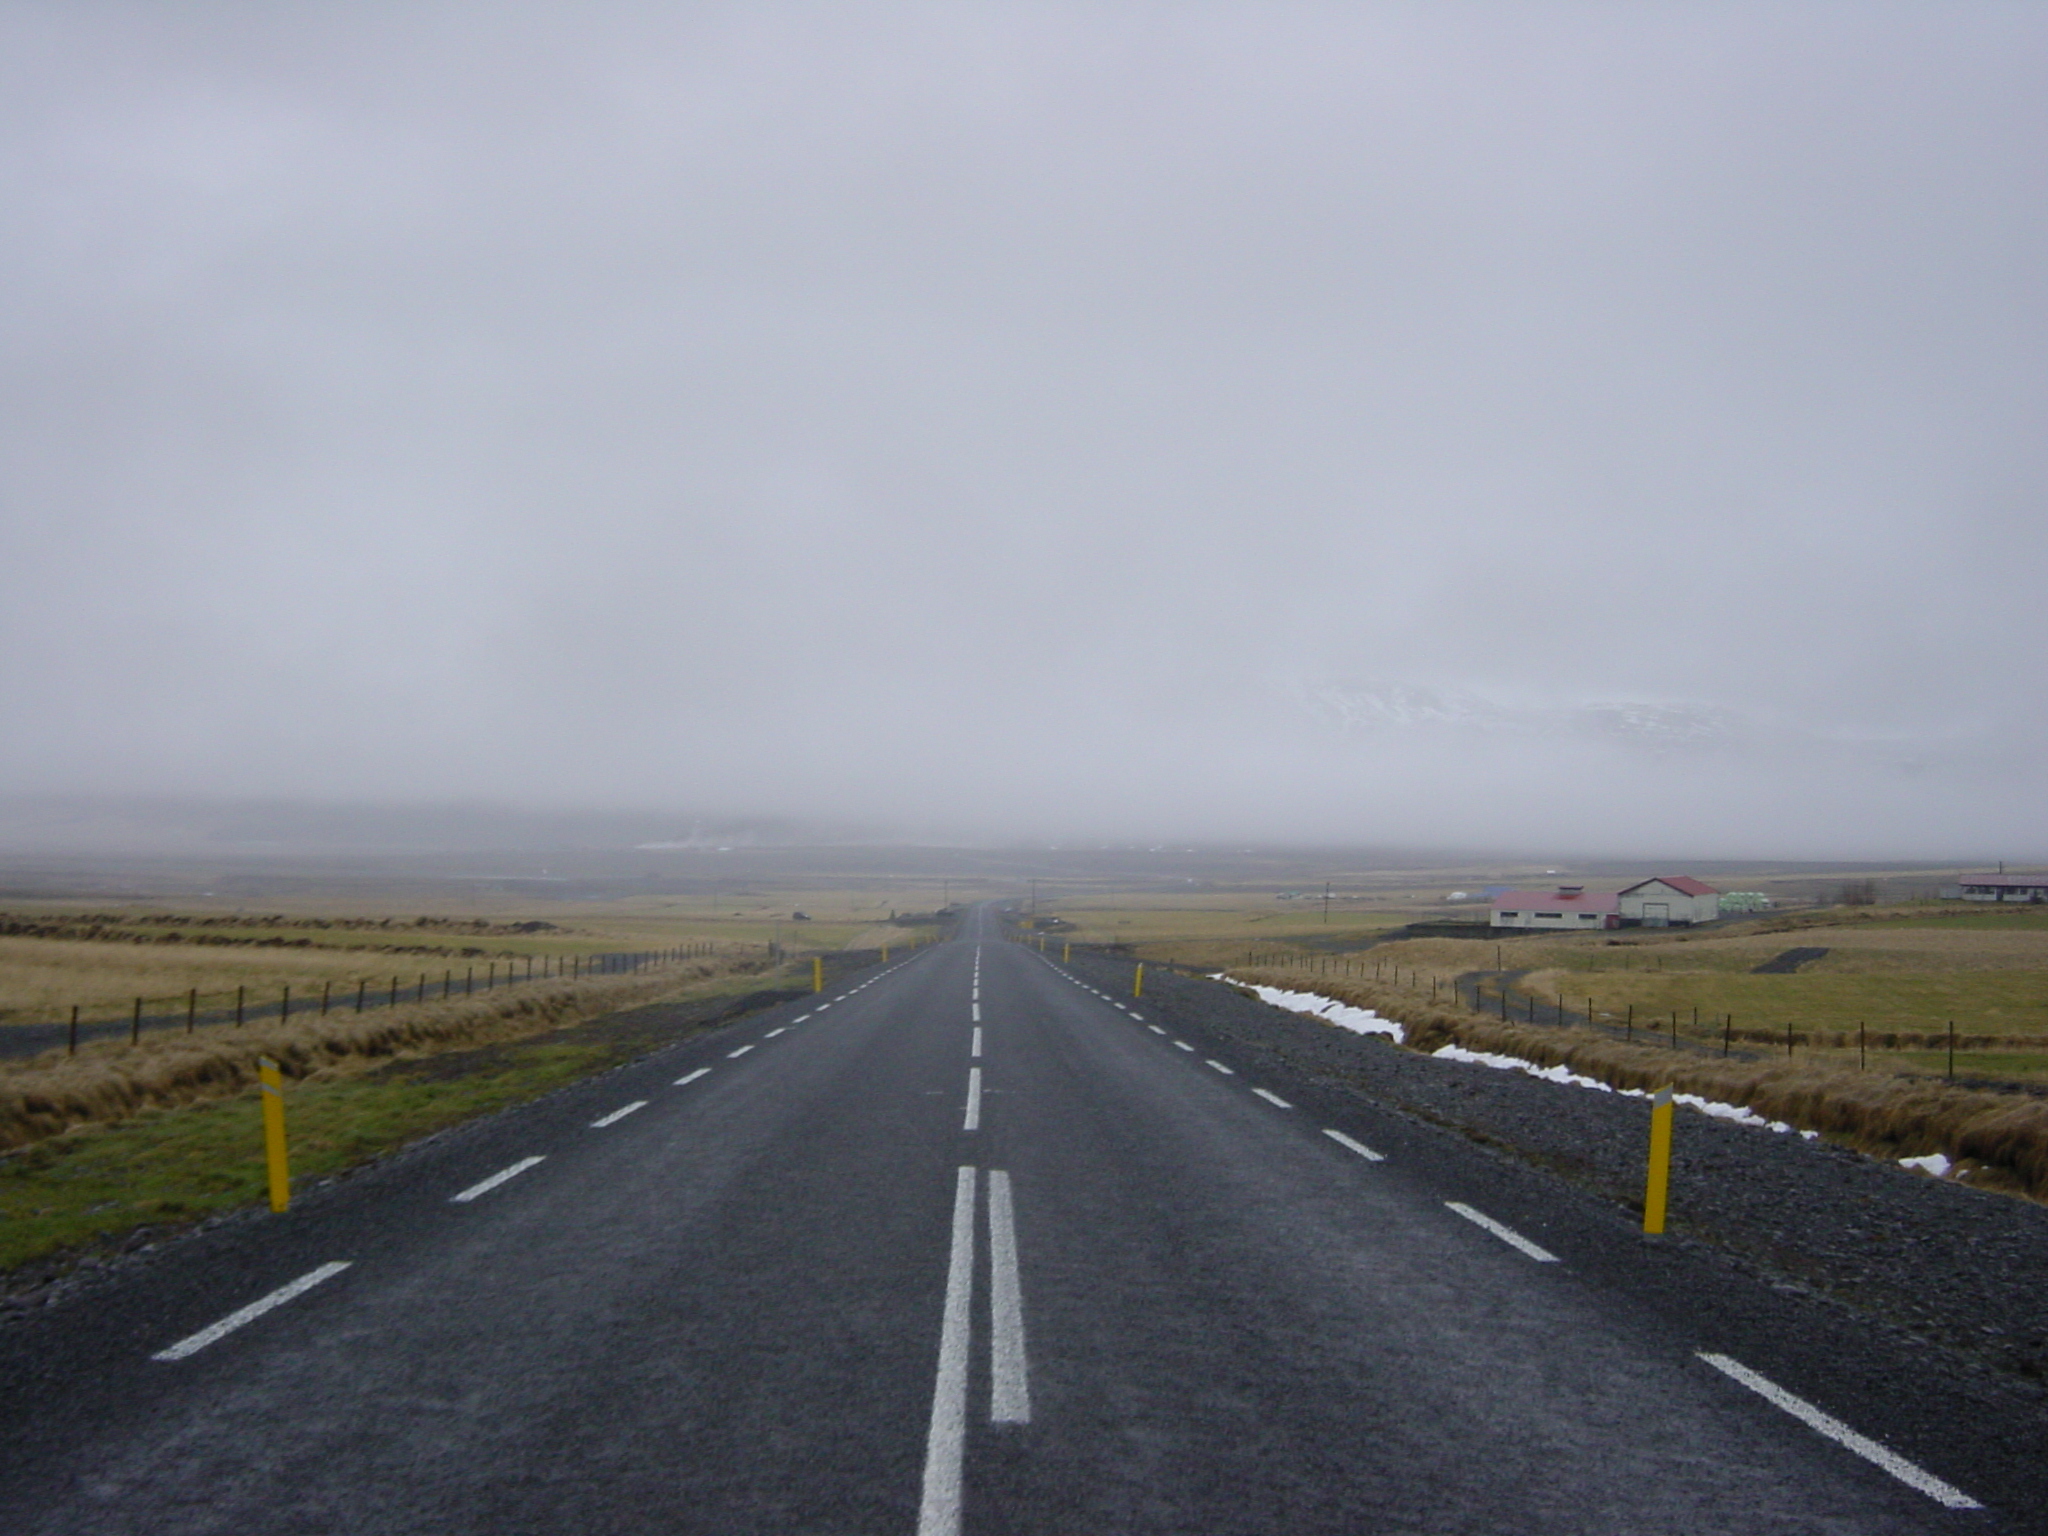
x=1501 y=994
x=192 y=1010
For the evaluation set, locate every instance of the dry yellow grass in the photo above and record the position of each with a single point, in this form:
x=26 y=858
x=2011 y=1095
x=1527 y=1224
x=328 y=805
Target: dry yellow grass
x=40 y=979
x=1919 y=949
x=108 y=1082
x=883 y=935
x=1893 y=978
x=159 y=955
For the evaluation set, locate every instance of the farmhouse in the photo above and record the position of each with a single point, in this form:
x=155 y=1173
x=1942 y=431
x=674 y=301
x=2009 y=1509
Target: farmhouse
x=1668 y=901
x=1998 y=888
x=1663 y=901
x=1567 y=906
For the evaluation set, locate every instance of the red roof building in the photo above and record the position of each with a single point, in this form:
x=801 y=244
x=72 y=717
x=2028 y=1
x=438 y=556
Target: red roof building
x=1564 y=906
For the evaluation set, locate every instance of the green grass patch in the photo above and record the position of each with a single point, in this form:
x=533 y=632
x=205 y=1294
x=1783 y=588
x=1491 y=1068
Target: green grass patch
x=1998 y=1066
x=2030 y=919
x=1980 y=1002
x=78 y=1191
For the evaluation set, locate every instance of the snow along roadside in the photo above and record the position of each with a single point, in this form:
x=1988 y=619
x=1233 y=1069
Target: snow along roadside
x=1712 y=1107
x=1361 y=1021
x=1366 y=1022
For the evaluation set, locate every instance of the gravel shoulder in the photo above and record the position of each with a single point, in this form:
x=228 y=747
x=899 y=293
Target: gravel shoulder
x=1959 y=1268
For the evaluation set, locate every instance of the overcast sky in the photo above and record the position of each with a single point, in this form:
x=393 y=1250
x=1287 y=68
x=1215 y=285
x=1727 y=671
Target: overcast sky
x=1037 y=419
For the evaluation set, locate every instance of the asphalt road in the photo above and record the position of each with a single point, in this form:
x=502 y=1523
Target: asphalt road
x=969 y=1244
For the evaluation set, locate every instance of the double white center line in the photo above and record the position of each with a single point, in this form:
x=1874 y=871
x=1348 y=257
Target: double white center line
x=1009 y=1377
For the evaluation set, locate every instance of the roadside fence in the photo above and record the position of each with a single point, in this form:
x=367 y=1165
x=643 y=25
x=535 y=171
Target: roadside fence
x=190 y=1010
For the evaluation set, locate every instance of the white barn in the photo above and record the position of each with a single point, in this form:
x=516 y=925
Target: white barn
x=1669 y=901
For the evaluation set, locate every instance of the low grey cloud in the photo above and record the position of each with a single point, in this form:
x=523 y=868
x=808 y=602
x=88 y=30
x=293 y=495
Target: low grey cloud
x=1037 y=420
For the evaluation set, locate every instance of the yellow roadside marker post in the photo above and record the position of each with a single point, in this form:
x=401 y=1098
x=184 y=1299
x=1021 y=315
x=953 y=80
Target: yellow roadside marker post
x=1658 y=1190
x=1066 y=951
x=273 y=1133
x=885 y=954
x=817 y=973
x=1138 y=981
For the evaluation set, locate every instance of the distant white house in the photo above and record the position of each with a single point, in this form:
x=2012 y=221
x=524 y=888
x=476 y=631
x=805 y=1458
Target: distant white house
x=1564 y=906
x=1669 y=901
x=1998 y=888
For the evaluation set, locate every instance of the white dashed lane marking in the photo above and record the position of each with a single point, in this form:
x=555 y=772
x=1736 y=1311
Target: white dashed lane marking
x=1183 y=1045
x=1507 y=1235
x=773 y=1033
x=1357 y=1146
x=692 y=1076
x=1905 y=1471
x=487 y=1185
x=192 y=1344
x=617 y=1115
x=733 y=1055
x=1272 y=1098
x=1226 y=1071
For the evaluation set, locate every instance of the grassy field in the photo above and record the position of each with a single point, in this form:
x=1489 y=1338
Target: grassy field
x=1907 y=973
x=100 y=959
x=1901 y=973
x=1215 y=927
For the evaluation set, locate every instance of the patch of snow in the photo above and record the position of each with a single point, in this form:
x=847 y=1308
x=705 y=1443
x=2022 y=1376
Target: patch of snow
x=1713 y=1107
x=1934 y=1163
x=1361 y=1021
x=1365 y=1022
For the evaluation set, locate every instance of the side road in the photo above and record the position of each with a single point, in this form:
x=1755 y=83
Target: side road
x=1837 y=1245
